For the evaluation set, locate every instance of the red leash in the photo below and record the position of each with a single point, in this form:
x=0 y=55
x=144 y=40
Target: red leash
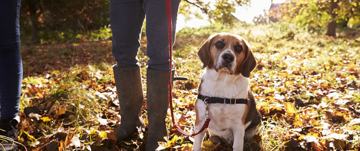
x=170 y=29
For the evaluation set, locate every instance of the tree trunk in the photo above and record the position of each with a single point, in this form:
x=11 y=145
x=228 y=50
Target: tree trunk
x=331 y=27
x=32 y=7
x=34 y=28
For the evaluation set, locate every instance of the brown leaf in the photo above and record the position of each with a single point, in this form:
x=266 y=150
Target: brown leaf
x=339 y=144
x=189 y=85
x=53 y=145
x=99 y=148
x=292 y=144
x=62 y=146
x=316 y=147
x=112 y=136
x=60 y=111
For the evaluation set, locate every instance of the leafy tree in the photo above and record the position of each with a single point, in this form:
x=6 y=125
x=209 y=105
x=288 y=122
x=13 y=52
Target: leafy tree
x=62 y=18
x=216 y=10
x=348 y=9
x=65 y=19
x=31 y=11
x=321 y=13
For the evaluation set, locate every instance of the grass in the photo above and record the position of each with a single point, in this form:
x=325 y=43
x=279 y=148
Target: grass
x=306 y=86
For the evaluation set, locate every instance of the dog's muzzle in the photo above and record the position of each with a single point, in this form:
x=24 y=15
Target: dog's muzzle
x=228 y=58
x=226 y=62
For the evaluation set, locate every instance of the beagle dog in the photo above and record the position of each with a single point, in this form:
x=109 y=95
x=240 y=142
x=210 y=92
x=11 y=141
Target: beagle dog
x=224 y=93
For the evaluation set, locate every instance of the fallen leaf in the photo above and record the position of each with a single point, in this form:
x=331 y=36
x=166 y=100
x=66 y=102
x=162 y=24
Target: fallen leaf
x=103 y=134
x=186 y=147
x=290 y=108
x=53 y=145
x=75 y=141
x=208 y=145
x=45 y=119
x=61 y=110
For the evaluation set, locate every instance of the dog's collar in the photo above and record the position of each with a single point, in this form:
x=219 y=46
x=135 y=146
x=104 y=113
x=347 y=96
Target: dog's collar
x=210 y=100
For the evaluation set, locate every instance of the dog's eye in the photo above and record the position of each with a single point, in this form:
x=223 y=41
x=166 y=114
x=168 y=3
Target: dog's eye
x=238 y=48
x=219 y=45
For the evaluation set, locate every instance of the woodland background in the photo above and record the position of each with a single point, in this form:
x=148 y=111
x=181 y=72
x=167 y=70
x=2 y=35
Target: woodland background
x=306 y=83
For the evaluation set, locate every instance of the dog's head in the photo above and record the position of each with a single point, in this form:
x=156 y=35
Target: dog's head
x=229 y=53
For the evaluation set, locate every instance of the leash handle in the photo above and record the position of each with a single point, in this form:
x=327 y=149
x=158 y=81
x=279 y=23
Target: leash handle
x=170 y=31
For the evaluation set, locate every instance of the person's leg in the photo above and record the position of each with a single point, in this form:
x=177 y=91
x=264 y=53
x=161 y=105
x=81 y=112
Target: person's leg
x=10 y=82
x=157 y=32
x=126 y=18
x=10 y=69
x=158 y=68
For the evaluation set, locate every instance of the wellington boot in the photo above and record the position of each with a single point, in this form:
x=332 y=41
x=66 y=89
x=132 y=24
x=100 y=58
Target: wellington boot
x=157 y=105
x=9 y=134
x=130 y=94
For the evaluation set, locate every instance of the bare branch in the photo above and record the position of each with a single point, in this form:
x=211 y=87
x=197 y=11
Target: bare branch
x=204 y=10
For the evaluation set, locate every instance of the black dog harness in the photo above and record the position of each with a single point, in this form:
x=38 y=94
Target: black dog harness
x=210 y=100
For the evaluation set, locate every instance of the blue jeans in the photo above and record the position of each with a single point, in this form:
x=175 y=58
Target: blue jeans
x=10 y=58
x=127 y=17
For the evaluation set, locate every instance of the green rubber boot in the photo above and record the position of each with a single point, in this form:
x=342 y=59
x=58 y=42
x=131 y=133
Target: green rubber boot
x=130 y=94
x=157 y=105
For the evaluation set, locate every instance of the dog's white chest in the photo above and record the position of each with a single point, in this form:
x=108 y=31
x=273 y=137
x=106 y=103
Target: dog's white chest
x=217 y=84
x=225 y=117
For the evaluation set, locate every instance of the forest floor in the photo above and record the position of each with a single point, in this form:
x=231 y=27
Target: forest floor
x=306 y=86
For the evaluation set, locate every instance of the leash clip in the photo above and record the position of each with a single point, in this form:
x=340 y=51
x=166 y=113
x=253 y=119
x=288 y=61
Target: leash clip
x=207 y=108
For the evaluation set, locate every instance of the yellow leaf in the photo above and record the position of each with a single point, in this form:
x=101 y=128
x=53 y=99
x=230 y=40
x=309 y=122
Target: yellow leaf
x=55 y=71
x=269 y=90
x=40 y=95
x=324 y=83
x=313 y=134
x=93 y=131
x=29 y=137
x=297 y=121
x=290 y=108
x=186 y=147
x=61 y=146
x=284 y=75
x=45 y=119
x=301 y=137
x=173 y=141
x=103 y=135
x=208 y=145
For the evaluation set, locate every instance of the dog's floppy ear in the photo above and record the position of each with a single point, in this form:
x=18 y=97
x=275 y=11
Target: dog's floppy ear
x=204 y=52
x=249 y=62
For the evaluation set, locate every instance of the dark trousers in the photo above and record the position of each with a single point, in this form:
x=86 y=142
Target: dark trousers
x=10 y=58
x=127 y=17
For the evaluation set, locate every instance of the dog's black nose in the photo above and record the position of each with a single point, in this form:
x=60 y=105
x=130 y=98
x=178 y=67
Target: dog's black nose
x=228 y=58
